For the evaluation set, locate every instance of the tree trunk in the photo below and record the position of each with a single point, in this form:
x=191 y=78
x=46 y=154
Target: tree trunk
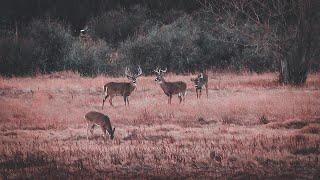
x=284 y=72
x=16 y=30
x=295 y=64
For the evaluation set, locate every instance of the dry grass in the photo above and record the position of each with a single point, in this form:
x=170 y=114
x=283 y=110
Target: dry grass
x=249 y=127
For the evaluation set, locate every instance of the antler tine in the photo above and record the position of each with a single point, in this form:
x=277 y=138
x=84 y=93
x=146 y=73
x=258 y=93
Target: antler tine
x=127 y=73
x=157 y=70
x=139 y=71
x=164 y=70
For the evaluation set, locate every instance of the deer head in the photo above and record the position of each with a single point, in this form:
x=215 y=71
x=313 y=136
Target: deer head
x=111 y=133
x=200 y=76
x=133 y=78
x=198 y=81
x=84 y=30
x=159 y=73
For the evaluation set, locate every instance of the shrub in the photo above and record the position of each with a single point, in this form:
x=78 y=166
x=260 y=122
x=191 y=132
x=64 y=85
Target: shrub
x=258 y=62
x=169 y=46
x=90 y=58
x=183 y=46
x=52 y=43
x=117 y=25
x=215 y=53
x=16 y=57
x=245 y=45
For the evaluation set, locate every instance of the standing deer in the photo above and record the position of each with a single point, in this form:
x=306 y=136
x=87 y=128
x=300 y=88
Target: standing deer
x=98 y=119
x=171 y=88
x=124 y=89
x=202 y=79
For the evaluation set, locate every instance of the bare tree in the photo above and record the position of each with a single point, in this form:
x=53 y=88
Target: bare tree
x=289 y=31
x=299 y=41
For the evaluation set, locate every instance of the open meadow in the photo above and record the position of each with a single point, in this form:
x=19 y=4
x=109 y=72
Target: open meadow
x=250 y=127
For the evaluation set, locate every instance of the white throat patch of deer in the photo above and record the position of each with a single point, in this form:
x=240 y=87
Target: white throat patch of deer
x=123 y=89
x=171 y=88
x=200 y=81
x=94 y=118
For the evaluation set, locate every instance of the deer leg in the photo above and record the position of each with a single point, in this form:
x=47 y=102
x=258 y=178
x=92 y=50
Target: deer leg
x=200 y=93
x=180 y=98
x=104 y=132
x=88 y=127
x=92 y=128
x=206 y=85
x=128 y=100
x=125 y=100
x=197 y=92
x=104 y=99
x=110 y=101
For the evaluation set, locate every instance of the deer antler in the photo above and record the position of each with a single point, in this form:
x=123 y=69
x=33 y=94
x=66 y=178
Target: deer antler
x=127 y=72
x=157 y=70
x=139 y=72
x=84 y=29
x=163 y=71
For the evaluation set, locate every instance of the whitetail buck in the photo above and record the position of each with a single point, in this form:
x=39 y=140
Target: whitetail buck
x=171 y=88
x=123 y=89
x=199 y=82
x=98 y=119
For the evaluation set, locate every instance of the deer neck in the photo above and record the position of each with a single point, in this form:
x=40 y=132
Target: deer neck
x=133 y=84
x=109 y=129
x=163 y=84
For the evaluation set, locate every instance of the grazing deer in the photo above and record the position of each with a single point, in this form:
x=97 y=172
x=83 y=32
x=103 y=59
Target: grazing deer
x=171 y=88
x=98 y=119
x=202 y=79
x=124 y=89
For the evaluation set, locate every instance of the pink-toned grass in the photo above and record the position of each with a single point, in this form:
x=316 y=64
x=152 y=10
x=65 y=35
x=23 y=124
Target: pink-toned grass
x=249 y=127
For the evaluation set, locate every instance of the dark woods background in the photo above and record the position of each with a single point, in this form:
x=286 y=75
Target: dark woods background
x=43 y=36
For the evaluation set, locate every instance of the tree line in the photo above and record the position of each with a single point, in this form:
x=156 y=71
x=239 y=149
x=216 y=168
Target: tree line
x=183 y=35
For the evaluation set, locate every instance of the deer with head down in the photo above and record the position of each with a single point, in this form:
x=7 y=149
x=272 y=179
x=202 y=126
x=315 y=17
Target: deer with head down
x=171 y=88
x=200 y=81
x=94 y=118
x=123 y=89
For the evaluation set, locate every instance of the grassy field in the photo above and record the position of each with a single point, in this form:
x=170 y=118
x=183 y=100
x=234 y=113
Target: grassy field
x=249 y=127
